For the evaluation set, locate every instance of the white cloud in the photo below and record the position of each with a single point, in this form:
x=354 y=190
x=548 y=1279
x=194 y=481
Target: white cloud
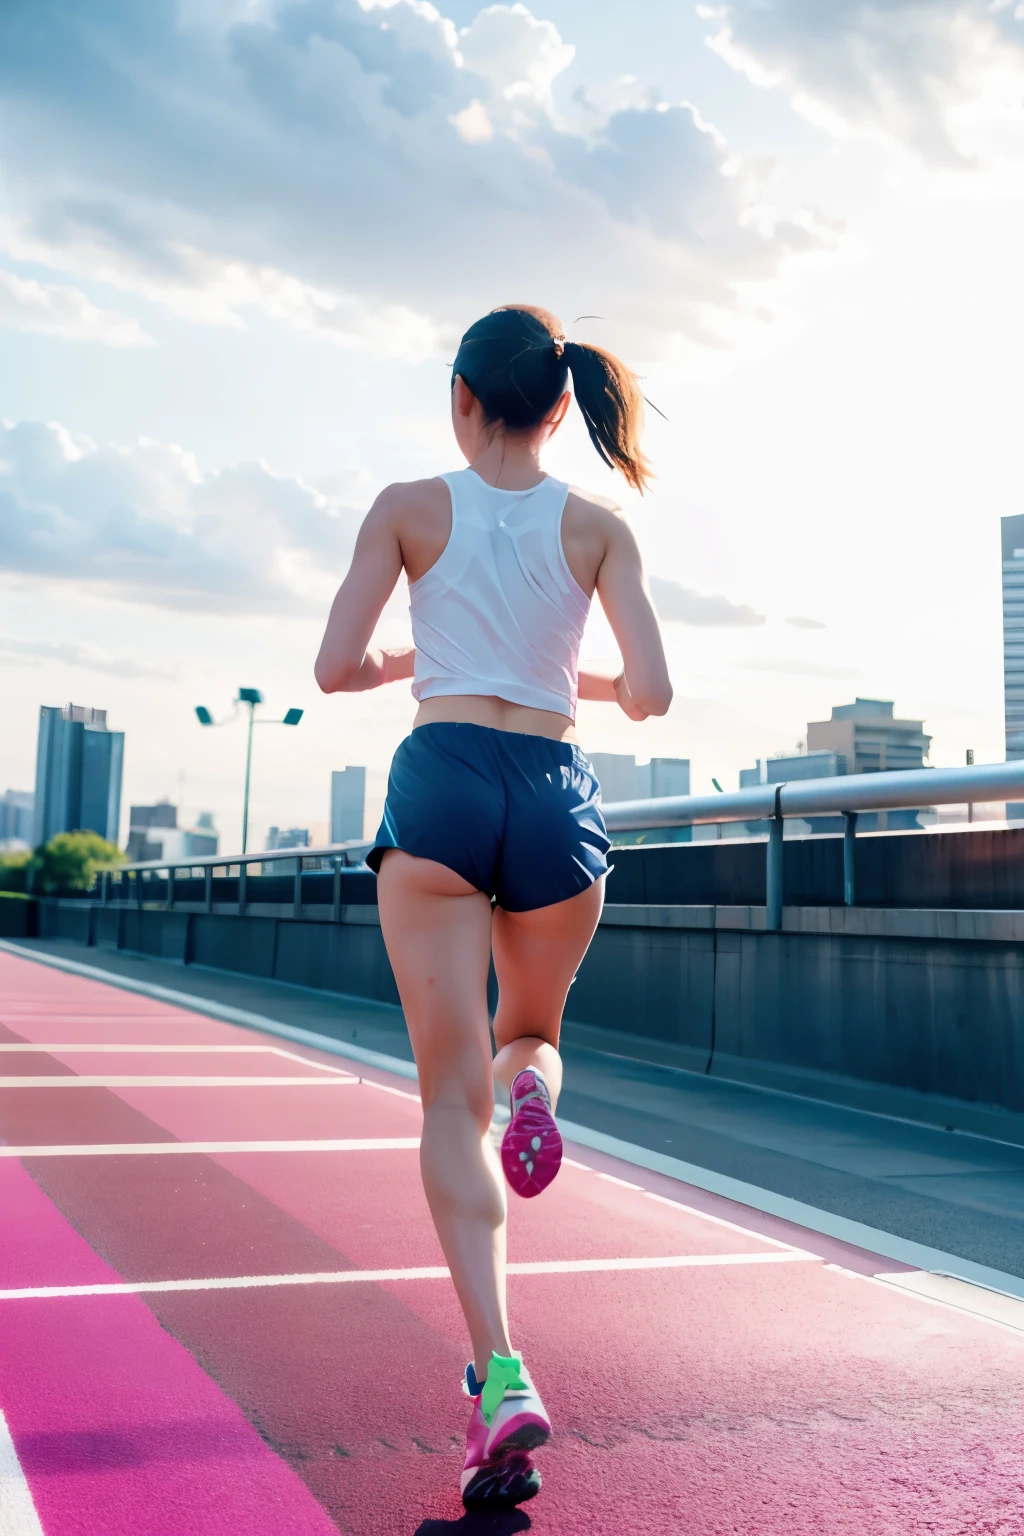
x=898 y=69
x=321 y=162
x=795 y=667
x=146 y=524
x=473 y=123
x=520 y=56
x=682 y=604
x=70 y=654
x=210 y=289
x=57 y=310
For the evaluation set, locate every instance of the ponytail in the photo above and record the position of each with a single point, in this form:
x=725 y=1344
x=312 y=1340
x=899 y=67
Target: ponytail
x=609 y=396
x=516 y=362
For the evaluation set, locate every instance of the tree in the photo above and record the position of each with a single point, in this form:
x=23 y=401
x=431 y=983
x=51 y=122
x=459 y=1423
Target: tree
x=13 y=869
x=71 y=860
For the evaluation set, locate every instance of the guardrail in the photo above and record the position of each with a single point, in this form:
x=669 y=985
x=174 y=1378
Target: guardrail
x=333 y=859
x=846 y=795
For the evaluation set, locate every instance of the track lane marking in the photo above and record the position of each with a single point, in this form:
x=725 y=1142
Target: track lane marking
x=162 y=1148
x=183 y=1050
x=131 y=1049
x=720 y=1221
x=179 y=1082
x=18 y=1515
x=426 y=1272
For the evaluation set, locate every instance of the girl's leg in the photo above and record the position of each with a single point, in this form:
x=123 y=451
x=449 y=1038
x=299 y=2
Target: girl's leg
x=536 y=956
x=437 y=928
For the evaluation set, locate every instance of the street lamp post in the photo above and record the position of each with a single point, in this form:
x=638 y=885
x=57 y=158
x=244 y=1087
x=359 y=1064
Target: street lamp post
x=251 y=697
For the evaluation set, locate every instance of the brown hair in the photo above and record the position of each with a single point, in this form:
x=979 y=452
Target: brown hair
x=517 y=363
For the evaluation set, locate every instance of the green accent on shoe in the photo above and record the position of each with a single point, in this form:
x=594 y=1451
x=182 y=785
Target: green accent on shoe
x=503 y=1375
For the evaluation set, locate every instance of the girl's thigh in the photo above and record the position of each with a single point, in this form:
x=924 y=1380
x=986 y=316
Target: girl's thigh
x=437 y=929
x=536 y=956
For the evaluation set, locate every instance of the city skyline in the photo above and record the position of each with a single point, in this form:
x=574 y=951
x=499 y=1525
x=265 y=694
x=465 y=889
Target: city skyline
x=873 y=737
x=204 y=382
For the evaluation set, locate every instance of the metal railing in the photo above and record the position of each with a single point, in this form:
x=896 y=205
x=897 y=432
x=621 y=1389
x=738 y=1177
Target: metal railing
x=139 y=876
x=846 y=795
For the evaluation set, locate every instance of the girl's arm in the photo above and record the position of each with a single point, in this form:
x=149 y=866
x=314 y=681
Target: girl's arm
x=597 y=682
x=643 y=687
x=347 y=663
x=605 y=685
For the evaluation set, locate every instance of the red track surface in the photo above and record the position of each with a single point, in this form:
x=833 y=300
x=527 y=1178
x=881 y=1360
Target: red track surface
x=720 y=1399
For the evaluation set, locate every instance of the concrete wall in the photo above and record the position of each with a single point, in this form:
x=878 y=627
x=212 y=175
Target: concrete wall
x=918 y=1013
x=980 y=869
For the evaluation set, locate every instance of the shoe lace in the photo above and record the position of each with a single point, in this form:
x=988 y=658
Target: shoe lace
x=504 y=1374
x=539 y=1092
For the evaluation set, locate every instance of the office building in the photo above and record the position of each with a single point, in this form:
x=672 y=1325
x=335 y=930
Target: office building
x=1013 y=643
x=663 y=776
x=870 y=738
x=16 y=816
x=862 y=737
x=348 y=805
x=290 y=837
x=784 y=768
x=78 y=773
x=623 y=778
x=153 y=833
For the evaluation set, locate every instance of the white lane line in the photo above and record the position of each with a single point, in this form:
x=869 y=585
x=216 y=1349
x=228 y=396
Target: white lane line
x=241 y=1016
x=18 y=1515
x=720 y=1221
x=181 y=1050
x=873 y=1239
x=72 y=1048
x=179 y=1082
x=377 y=1276
x=209 y=1148
x=399 y=1093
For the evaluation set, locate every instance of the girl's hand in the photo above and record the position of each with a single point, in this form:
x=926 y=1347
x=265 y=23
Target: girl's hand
x=624 y=699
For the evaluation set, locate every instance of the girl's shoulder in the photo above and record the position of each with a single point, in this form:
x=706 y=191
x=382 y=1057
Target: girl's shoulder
x=586 y=512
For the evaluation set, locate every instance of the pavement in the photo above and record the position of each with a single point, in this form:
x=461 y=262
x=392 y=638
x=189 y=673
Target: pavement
x=223 y=1308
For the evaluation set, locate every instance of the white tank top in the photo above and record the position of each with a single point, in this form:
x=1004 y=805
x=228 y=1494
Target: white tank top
x=500 y=612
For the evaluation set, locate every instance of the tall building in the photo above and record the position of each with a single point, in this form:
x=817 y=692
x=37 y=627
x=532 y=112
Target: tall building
x=16 y=816
x=785 y=768
x=348 y=805
x=862 y=737
x=153 y=833
x=1013 y=642
x=623 y=778
x=870 y=738
x=664 y=776
x=78 y=773
x=290 y=837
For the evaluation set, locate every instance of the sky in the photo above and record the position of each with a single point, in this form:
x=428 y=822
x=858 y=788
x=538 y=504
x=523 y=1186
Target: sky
x=239 y=241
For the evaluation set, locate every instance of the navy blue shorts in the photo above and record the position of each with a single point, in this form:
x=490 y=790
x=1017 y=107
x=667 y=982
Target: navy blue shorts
x=517 y=816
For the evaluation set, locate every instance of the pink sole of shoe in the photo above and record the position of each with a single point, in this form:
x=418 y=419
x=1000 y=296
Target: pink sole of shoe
x=531 y=1149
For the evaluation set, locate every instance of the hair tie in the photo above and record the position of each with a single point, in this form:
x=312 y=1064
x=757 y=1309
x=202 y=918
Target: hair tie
x=559 y=342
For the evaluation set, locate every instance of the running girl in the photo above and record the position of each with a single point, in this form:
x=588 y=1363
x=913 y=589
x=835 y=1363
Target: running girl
x=491 y=801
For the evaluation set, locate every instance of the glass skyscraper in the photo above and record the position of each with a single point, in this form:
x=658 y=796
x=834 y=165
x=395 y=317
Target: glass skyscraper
x=78 y=773
x=1013 y=633
x=1013 y=643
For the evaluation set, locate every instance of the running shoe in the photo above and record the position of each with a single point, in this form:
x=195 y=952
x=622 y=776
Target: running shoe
x=508 y=1422
x=531 y=1148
